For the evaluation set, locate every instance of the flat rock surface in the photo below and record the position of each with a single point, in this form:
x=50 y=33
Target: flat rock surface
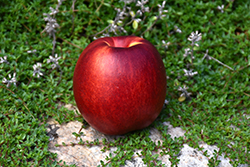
x=84 y=156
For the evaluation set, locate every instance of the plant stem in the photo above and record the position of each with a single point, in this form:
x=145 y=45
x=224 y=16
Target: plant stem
x=54 y=44
x=150 y=27
x=73 y=17
x=210 y=57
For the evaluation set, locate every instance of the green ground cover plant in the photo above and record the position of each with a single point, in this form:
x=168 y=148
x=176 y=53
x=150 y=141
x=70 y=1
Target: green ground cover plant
x=204 y=47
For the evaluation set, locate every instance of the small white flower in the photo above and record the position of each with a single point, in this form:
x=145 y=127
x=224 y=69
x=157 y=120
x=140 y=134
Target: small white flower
x=189 y=73
x=195 y=37
x=54 y=60
x=5 y=81
x=53 y=11
x=137 y=20
x=106 y=35
x=221 y=8
x=177 y=29
x=51 y=24
x=37 y=70
x=4 y=60
x=162 y=6
x=165 y=44
x=113 y=28
x=12 y=80
x=139 y=12
x=141 y=4
x=166 y=102
x=185 y=94
x=31 y=51
x=184 y=91
x=132 y=13
x=161 y=11
x=59 y=4
x=128 y=1
x=187 y=52
x=121 y=14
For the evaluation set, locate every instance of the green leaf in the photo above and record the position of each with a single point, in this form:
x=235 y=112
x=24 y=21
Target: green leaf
x=135 y=25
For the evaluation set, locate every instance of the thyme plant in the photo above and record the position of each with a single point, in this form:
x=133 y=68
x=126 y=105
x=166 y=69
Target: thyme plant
x=208 y=99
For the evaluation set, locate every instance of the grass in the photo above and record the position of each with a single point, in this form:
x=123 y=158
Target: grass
x=213 y=109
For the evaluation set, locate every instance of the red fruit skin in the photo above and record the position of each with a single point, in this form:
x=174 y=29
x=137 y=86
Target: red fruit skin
x=119 y=84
